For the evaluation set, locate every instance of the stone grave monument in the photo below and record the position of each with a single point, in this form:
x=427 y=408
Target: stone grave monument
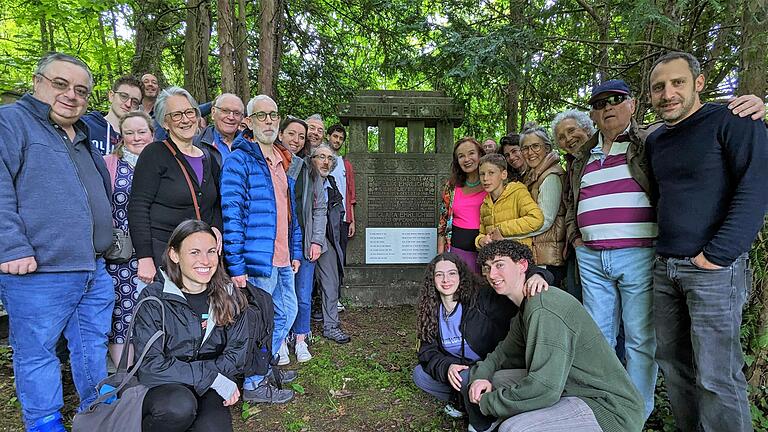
x=398 y=194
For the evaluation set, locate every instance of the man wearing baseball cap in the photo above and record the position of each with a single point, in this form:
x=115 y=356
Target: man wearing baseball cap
x=612 y=224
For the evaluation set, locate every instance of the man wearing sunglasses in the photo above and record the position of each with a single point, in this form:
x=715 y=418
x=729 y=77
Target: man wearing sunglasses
x=104 y=130
x=610 y=215
x=55 y=224
x=226 y=114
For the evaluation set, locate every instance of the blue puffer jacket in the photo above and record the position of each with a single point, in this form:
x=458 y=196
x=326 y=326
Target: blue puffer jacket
x=249 y=211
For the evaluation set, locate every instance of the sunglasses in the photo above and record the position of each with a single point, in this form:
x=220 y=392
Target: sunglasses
x=612 y=100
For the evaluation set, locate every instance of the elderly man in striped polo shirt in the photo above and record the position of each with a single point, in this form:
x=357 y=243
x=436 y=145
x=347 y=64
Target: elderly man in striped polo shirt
x=611 y=216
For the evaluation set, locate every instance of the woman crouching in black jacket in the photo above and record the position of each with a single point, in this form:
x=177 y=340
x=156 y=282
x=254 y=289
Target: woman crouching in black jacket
x=191 y=377
x=461 y=320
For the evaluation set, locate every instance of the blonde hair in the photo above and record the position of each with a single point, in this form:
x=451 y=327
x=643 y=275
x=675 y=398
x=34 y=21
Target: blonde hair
x=118 y=151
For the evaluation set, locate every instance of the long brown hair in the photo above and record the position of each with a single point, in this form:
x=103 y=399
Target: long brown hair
x=458 y=176
x=226 y=301
x=429 y=300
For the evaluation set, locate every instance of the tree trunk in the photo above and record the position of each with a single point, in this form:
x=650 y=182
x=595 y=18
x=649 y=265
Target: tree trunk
x=753 y=80
x=197 y=42
x=116 y=41
x=517 y=10
x=753 y=75
x=670 y=36
x=242 y=78
x=641 y=100
x=513 y=105
x=105 y=58
x=150 y=38
x=226 y=33
x=44 y=45
x=269 y=42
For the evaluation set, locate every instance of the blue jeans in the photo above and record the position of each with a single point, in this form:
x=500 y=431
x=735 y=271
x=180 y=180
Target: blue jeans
x=618 y=286
x=304 y=281
x=698 y=320
x=280 y=285
x=40 y=307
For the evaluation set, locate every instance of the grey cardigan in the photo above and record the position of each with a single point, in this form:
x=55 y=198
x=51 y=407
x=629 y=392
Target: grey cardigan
x=314 y=205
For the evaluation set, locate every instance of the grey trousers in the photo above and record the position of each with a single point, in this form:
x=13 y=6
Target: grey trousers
x=698 y=322
x=569 y=414
x=327 y=273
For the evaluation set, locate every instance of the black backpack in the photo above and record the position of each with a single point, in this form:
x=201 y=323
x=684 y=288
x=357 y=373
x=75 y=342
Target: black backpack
x=260 y=315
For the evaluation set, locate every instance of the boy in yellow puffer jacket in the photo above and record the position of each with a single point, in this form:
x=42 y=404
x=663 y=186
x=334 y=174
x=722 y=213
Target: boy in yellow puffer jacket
x=508 y=210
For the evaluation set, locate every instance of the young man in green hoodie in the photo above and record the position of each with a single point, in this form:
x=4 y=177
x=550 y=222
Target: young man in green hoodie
x=554 y=370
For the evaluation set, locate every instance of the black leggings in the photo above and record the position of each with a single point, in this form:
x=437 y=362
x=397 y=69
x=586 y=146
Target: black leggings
x=177 y=408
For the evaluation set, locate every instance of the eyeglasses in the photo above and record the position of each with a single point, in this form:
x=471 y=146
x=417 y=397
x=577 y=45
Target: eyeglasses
x=533 y=147
x=261 y=115
x=612 y=100
x=323 y=158
x=227 y=113
x=190 y=113
x=135 y=103
x=62 y=85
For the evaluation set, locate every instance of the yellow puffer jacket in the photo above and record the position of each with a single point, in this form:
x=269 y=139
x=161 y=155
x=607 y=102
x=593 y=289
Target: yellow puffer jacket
x=514 y=213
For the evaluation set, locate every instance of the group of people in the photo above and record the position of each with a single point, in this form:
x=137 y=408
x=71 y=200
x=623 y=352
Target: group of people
x=254 y=201
x=259 y=202
x=649 y=227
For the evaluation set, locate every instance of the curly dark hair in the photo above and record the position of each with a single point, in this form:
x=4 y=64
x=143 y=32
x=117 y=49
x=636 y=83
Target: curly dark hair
x=458 y=176
x=511 y=249
x=429 y=300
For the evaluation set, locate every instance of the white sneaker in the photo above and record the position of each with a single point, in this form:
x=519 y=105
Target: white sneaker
x=302 y=352
x=283 y=354
x=340 y=307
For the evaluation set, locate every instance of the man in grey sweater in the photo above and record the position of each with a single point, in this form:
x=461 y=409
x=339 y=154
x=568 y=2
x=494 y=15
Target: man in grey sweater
x=55 y=224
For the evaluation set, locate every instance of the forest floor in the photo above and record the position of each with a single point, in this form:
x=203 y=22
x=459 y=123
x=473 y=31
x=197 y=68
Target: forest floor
x=364 y=385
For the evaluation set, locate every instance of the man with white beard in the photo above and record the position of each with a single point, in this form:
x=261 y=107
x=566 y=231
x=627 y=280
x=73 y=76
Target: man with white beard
x=262 y=238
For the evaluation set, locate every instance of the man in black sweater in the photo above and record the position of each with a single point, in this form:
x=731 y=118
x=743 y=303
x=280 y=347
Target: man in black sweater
x=710 y=167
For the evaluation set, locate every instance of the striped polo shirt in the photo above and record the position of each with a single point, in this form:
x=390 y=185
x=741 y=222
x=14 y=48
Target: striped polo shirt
x=613 y=212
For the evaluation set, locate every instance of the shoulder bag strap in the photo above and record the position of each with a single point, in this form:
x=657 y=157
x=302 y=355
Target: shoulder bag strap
x=186 y=177
x=122 y=365
x=104 y=397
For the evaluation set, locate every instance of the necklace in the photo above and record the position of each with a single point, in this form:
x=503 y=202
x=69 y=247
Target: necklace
x=447 y=313
x=472 y=184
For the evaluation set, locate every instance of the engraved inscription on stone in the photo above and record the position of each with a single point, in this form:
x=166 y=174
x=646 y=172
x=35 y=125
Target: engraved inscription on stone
x=401 y=200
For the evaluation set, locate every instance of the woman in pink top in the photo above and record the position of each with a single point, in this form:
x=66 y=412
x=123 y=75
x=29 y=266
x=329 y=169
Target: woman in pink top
x=460 y=207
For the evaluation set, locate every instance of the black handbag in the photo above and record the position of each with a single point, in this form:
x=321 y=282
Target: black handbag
x=121 y=249
x=120 y=409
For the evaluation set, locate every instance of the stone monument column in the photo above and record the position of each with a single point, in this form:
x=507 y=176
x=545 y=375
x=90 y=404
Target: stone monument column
x=398 y=194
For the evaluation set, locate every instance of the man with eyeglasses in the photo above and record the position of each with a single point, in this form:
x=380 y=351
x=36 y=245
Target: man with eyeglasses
x=227 y=112
x=104 y=130
x=613 y=222
x=344 y=175
x=262 y=238
x=55 y=224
